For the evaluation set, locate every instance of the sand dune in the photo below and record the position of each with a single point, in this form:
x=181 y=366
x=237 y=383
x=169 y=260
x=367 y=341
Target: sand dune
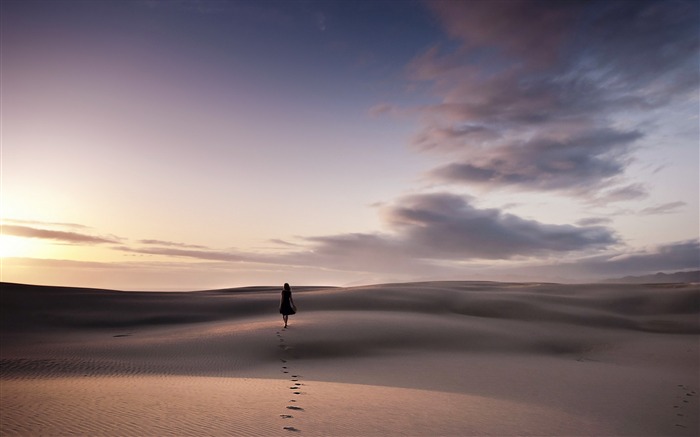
x=437 y=358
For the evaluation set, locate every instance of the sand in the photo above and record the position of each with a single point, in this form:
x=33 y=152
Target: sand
x=428 y=359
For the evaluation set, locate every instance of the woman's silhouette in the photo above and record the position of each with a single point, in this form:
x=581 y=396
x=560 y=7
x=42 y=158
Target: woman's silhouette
x=287 y=306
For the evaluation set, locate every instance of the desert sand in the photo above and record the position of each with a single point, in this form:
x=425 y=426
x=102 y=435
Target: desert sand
x=428 y=359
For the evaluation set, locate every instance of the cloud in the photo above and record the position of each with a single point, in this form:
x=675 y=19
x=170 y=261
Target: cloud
x=526 y=29
x=620 y=194
x=321 y=21
x=674 y=256
x=207 y=255
x=39 y=223
x=281 y=242
x=532 y=95
x=38 y=263
x=432 y=232
x=444 y=225
x=382 y=109
x=454 y=137
x=62 y=236
x=592 y=221
x=171 y=244
x=666 y=208
x=671 y=257
x=545 y=163
x=356 y=252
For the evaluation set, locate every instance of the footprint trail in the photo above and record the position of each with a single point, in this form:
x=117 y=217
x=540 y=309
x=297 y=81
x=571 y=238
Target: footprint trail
x=287 y=361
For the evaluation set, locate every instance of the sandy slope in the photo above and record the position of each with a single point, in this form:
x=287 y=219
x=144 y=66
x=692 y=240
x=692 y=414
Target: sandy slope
x=440 y=358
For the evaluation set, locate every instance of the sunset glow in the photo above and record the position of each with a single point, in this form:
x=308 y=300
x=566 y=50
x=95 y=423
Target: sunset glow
x=18 y=247
x=201 y=144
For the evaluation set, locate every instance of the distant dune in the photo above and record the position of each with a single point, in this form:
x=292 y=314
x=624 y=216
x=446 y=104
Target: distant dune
x=431 y=358
x=659 y=278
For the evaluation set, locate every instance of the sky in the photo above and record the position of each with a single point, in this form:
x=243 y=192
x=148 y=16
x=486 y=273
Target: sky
x=201 y=144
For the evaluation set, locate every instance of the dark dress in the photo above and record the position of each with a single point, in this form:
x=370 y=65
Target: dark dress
x=286 y=306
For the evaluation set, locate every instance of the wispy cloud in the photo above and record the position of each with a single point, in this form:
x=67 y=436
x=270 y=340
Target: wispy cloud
x=207 y=255
x=45 y=224
x=528 y=30
x=632 y=191
x=280 y=242
x=666 y=208
x=592 y=221
x=61 y=236
x=171 y=244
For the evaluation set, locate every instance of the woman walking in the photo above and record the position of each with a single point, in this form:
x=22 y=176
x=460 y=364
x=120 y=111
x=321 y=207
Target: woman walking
x=287 y=306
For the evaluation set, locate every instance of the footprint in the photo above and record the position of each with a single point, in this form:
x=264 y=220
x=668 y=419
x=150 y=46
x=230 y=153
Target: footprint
x=297 y=392
x=286 y=416
x=293 y=407
x=291 y=428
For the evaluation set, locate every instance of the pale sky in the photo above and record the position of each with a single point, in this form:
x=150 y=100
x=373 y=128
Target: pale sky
x=197 y=144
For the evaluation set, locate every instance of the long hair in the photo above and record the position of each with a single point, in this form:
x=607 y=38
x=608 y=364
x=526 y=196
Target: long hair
x=287 y=287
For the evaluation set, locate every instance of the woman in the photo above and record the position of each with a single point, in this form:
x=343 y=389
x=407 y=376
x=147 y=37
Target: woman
x=287 y=306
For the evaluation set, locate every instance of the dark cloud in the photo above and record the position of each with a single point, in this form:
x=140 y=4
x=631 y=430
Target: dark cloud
x=62 y=236
x=429 y=230
x=447 y=226
x=544 y=163
x=530 y=96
